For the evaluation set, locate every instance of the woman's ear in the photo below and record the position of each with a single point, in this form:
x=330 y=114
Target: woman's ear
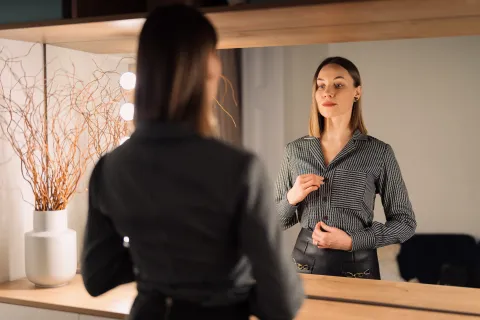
x=358 y=92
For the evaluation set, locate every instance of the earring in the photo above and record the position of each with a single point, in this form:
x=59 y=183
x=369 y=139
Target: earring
x=355 y=99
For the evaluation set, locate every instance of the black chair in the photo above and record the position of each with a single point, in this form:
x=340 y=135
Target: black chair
x=446 y=259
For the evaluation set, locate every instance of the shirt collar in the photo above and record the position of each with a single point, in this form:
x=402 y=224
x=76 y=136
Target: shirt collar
x=357 y=135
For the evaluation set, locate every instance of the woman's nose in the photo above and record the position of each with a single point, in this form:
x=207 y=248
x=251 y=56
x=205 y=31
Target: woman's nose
x=328 y=92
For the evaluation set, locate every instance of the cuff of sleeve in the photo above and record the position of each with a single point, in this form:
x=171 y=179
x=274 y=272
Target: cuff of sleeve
x=286 y=211
x=363 y=239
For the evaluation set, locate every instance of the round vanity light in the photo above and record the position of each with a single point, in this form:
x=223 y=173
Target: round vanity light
x=127 y=111
x=128 y=80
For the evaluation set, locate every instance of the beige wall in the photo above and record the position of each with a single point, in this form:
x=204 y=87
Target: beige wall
x=15 y=193
x=421 y=96
x=300 y=65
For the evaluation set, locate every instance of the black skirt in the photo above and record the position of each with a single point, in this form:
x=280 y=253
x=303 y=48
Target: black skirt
x=308 y=258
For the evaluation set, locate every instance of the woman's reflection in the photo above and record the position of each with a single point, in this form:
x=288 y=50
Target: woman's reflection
x=329 y=179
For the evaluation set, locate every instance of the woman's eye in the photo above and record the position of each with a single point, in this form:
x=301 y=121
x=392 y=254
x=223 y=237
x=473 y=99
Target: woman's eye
x=321 y=86
x=338 y=85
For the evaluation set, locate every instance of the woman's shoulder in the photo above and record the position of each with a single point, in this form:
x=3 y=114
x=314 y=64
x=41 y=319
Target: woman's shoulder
x=228 y=156
x=377 y=144
x=227 y=149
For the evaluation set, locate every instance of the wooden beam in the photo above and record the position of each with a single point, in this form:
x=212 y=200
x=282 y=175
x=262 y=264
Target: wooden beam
x=255 y=26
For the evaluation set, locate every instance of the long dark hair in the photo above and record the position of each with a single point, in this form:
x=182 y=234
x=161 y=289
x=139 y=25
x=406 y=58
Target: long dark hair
x=173 y=49
x=316 y=119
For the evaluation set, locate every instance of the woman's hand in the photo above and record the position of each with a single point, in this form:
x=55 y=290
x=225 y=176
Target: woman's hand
x=331 y=238
x=304 y=184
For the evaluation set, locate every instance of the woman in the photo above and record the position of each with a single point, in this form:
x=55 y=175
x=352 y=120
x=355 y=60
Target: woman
x=203 y=237
x=328 y=182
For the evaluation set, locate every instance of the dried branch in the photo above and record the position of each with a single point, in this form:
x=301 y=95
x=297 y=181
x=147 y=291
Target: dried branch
x=82 y=123
x=227 y=84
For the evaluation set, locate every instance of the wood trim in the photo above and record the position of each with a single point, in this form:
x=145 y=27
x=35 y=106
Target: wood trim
x=255 y=26
x=446 y=27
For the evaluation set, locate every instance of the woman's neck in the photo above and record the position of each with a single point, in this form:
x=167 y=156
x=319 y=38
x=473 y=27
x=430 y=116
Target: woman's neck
x=336 y=130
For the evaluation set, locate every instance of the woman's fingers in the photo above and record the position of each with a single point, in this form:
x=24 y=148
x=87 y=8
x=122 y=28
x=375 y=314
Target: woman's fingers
x=311 y=179
x=310 y=183
x=310 y=189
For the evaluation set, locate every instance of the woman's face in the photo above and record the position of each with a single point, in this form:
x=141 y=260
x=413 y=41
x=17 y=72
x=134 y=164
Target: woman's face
x=336 y=91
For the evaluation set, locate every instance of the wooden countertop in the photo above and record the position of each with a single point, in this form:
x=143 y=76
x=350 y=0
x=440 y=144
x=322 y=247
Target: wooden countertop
x=73 y=298
x=355 y=299
x=398 y=294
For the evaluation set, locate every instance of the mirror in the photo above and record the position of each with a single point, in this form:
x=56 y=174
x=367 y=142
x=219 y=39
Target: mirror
x=419 y=96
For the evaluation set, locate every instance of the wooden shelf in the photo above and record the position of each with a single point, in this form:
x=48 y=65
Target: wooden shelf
x=257 y=26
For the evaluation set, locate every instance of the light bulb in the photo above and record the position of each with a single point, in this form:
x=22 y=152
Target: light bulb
x=128 y=80
x=123 y=140
x=126 y=111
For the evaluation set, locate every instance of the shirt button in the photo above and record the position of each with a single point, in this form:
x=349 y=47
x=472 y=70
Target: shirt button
x=325 y=179
x=325 y=218
x=324 y=199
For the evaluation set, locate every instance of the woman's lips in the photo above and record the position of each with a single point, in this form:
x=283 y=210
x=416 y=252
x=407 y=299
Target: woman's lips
x=329 y=104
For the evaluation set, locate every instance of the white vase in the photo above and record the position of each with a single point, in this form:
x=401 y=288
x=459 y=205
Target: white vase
x=50 y=250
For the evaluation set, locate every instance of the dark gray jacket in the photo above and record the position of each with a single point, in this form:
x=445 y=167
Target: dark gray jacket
x=200 y=219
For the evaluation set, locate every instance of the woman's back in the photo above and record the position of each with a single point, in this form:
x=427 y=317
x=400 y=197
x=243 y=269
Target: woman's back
x=198 y=216
x=177 y=197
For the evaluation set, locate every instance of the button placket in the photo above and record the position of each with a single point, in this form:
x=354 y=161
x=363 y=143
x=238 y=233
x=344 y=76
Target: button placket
x=325 y=190
x=325 y=196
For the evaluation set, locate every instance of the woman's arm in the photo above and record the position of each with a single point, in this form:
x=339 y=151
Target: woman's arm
x=279 y=291
x=285 y=210
x=401 y=224
x=105 y=262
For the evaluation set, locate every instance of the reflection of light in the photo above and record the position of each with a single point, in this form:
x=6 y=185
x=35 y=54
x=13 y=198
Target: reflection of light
x=127 y=111
x=133 y=25
x=126 y=242
x=128 y=80
x=123 y=140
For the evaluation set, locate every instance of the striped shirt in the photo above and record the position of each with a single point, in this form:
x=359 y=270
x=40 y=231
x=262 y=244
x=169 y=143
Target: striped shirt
x=365 y=167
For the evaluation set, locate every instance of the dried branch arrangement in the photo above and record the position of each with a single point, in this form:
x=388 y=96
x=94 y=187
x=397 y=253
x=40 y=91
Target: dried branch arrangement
x=58 y=125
